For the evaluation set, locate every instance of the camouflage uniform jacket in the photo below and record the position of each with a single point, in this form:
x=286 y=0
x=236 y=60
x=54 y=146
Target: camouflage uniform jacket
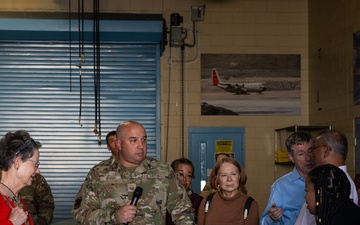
x=39 y=200
x=107 y=188
x=107 y=162
x=102 y=164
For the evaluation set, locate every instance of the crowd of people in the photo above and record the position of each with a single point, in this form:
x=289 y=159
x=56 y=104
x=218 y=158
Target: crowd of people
x=132 y=188
x=286 y=204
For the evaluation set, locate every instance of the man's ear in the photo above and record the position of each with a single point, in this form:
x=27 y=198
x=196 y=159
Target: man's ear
x=326 y=151
x=291 y=157
x=118 y=144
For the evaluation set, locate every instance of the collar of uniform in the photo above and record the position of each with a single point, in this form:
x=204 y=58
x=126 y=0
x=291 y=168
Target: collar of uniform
x=144 y=166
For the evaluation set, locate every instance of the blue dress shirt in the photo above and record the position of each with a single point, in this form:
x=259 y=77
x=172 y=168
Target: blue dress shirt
x=287 y=193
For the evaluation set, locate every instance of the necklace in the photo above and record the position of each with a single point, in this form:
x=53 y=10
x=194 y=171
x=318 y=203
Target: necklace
x=15 y=199
x=8 y=189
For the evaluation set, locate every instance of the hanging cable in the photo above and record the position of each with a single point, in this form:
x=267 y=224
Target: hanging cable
x=98 y=67
x=81 y=56
x=70 y=40
x=182 y=101
x=96 y=43
x=167 y=126
x=94 y=60
x=82 y=32
x=94 y=55
x=98 y=70
x=79 y=30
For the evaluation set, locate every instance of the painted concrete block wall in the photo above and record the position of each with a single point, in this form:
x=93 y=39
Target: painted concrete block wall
x=331 y=86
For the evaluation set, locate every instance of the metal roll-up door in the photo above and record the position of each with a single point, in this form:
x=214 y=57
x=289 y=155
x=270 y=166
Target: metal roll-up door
x=40 y=92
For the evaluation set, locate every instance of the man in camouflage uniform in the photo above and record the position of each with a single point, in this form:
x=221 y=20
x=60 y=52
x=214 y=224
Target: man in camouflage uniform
x=39 y=200
x=108 y=189
x=111 y=146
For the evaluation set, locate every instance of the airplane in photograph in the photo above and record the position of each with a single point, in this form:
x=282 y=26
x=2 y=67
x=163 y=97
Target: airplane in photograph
x=237 y=88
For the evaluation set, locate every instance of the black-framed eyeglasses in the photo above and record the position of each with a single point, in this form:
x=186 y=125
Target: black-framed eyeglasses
x=181 y=176
x=37 y=163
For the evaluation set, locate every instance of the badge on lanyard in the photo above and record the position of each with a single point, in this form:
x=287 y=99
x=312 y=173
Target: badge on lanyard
x=131 y=187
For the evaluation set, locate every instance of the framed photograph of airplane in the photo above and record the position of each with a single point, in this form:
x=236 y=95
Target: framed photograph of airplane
x=250 y=84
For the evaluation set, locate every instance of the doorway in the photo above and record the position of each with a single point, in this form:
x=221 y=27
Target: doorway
x=206 y=142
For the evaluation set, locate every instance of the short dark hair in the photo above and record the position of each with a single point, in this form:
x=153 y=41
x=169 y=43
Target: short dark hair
x=220 y=154
x=299 y=137
x=111 y=133
x=185 y=161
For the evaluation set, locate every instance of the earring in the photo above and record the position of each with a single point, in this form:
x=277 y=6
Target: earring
x=218 y=187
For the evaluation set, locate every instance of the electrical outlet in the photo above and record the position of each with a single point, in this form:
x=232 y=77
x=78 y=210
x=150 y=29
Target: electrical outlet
x=197 y=13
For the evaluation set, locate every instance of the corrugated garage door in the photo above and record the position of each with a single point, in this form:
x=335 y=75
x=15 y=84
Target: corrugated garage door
x=40 y=92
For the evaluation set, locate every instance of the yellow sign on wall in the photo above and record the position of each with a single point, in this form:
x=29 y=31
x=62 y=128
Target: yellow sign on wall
x=224 y=146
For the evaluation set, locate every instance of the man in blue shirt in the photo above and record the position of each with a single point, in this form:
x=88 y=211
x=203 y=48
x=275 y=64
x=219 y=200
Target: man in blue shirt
x=287 y=193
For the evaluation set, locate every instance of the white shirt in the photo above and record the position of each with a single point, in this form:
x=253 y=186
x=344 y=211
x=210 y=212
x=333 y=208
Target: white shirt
x=305 y=218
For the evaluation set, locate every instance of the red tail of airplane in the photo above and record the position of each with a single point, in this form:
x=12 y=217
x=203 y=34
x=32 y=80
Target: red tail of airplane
x=215 y=77
x=235 y=87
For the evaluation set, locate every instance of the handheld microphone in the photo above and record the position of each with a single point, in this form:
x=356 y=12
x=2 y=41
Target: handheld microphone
x=136 y=196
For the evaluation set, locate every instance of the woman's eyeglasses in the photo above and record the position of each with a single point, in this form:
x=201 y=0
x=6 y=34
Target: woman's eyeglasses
x=37 y=163
x=181 y=176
